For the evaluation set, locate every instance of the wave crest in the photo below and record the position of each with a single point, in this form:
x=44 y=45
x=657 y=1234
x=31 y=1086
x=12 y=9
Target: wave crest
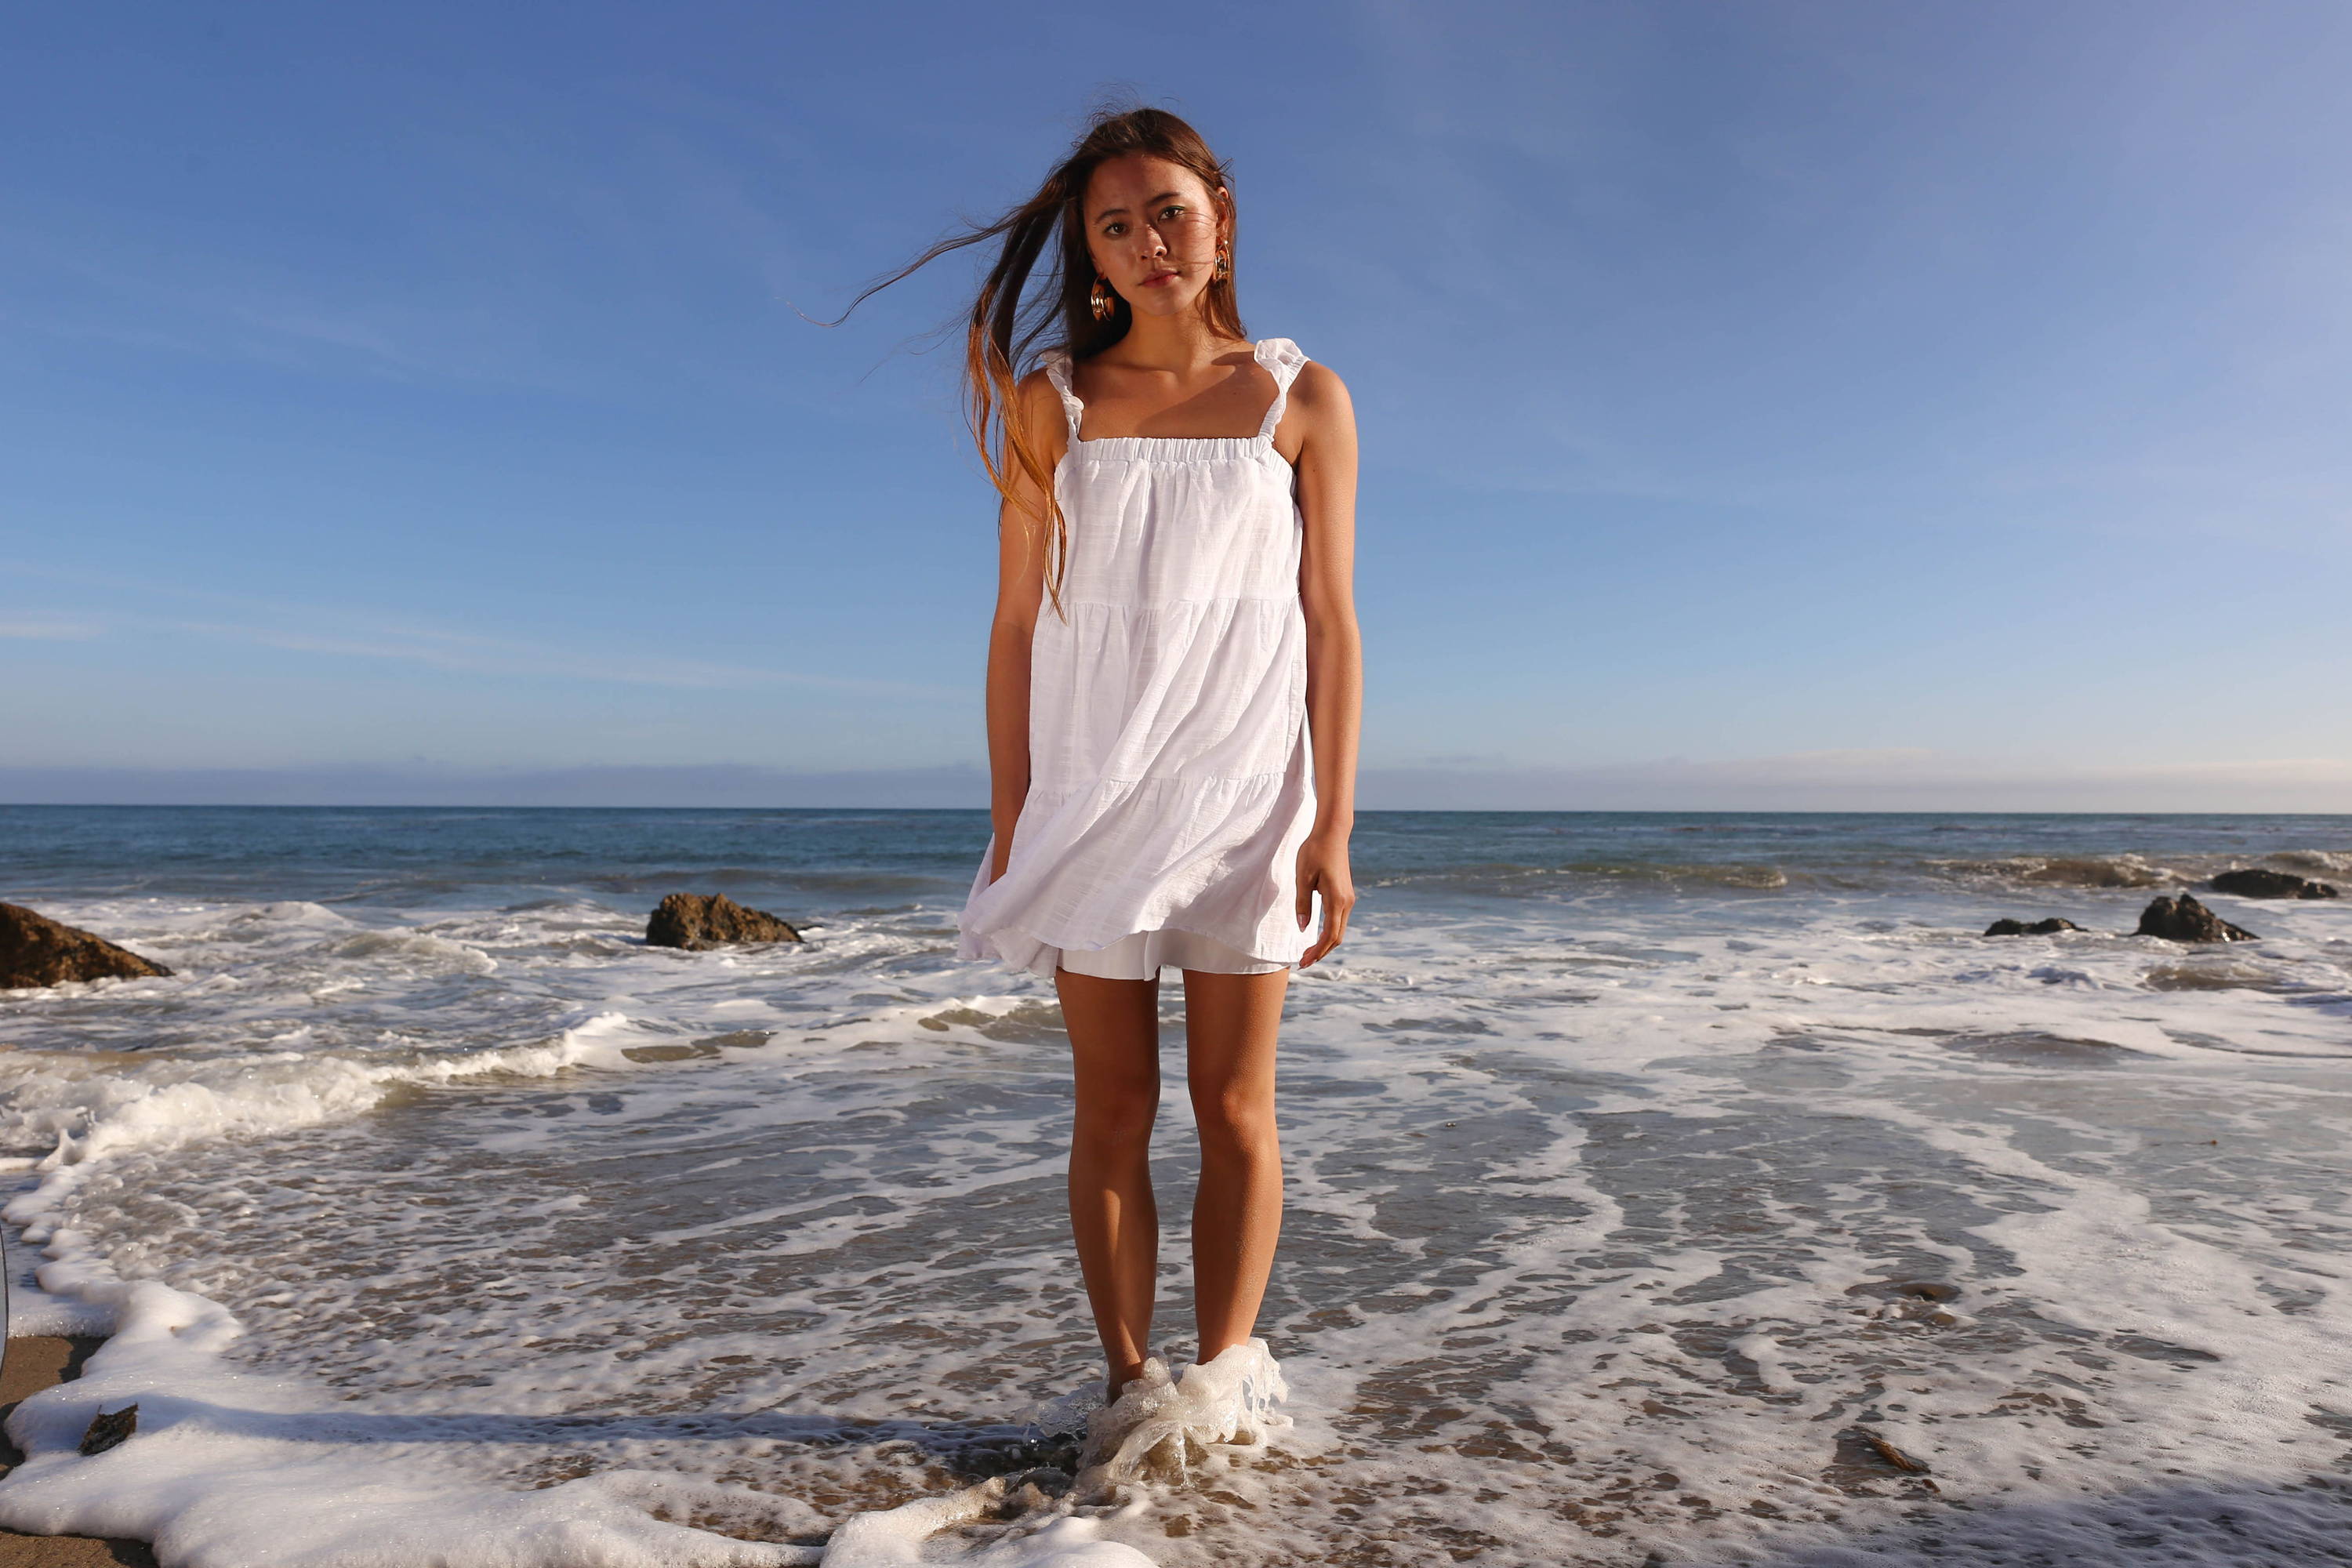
x=2066 y=872
x=2336 y=860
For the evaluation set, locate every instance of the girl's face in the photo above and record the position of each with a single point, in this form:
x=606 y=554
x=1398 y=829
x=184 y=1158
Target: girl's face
x=1153 y=228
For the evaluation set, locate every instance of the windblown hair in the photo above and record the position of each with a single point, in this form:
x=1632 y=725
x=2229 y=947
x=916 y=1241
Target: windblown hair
x=1013 y=327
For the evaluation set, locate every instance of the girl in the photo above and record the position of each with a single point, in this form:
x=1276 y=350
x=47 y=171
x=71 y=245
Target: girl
x=1175 y=622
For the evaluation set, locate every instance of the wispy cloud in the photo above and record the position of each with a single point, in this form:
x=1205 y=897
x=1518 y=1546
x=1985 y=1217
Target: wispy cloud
x=465 y=653
x=210 y=305
x=47 y=628
x=341 y=633
x=711 y=785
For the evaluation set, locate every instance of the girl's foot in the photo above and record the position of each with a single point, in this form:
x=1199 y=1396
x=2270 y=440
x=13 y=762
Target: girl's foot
x=1116 y=1383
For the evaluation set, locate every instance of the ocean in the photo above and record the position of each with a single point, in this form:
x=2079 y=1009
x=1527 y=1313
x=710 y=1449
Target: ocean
x=1663 y=1189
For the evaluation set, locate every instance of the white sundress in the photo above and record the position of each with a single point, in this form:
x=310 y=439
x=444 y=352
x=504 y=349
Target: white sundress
x=1170 y=781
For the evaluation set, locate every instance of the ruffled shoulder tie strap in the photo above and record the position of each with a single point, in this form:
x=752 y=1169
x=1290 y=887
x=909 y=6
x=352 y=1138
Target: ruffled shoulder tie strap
x=1057 y=371
x=1283 y=358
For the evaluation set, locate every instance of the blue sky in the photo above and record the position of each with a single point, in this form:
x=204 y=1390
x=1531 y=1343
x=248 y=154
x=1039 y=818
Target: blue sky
x=1773 y=404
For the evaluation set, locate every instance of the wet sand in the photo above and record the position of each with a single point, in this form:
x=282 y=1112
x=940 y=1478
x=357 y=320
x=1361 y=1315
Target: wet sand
x=35 y=1362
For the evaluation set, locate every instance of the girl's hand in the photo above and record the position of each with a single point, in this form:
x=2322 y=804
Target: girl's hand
x=1323 y=868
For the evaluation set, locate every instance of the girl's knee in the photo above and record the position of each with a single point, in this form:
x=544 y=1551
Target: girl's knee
x=1236 y=1124
x=1117 y=1116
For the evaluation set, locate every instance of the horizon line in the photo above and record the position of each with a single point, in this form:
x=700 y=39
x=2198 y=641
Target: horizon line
x=1360 y=811
x=1851 y=782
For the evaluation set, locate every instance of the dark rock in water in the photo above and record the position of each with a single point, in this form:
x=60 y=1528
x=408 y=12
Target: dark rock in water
x=1906 y=1290
x=1890 y=1453
x=107 y=1428
x=2050 y=927
x=696 y=920
x=2185 y=920
x=37 y=951
x=1861 y=1463
x=2256 y=882
x=1913 y=1300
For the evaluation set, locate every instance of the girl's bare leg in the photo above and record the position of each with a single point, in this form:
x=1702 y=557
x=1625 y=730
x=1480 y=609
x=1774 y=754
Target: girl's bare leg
x=1114 y=1028
x=1230 y=1024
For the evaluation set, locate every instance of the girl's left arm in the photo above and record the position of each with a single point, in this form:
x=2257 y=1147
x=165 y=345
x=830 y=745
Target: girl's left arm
x=1335 y=652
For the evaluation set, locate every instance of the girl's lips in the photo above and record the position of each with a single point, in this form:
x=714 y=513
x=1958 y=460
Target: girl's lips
x=1157 y=279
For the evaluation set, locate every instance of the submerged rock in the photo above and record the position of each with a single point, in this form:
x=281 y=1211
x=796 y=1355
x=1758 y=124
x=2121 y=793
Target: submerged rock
x=1906 y=1290
x=2050 y=927
x=2185 y=920
x=699 y=921
x=1890 y=1453
x=2259 y=882
x=37 y=951
x=1911 y=1301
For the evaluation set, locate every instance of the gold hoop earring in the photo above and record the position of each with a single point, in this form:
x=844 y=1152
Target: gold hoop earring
x=1225 y=267
x=1100 y=299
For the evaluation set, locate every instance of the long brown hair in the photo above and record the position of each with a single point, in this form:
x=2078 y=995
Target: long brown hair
x=1011 y=331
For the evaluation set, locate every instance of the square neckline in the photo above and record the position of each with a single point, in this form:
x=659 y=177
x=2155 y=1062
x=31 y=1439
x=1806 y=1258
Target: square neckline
x=1250 y=445
x=1263 y=436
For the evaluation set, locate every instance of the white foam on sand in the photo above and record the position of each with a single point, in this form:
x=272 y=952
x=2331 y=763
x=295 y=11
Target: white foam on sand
x=229 y=1468
x=910 y=1533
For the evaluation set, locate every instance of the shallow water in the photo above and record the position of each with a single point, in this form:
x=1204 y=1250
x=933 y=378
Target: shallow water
x=1644 y=1170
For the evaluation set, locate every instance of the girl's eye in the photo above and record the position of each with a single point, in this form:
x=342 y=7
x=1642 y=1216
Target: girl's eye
x=1113 y=227
x=1171 y=211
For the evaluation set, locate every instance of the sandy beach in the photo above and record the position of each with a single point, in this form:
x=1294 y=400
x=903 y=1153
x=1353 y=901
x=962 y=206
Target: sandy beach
x=35 y=1362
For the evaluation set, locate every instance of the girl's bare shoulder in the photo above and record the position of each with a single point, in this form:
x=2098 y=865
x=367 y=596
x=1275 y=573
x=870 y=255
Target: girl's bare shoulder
x=1036 y=387
x=1038 y=404
x=1321 y=396
x=1318 y=383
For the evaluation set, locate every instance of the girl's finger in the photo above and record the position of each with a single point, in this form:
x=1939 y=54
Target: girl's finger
x=1335 y=928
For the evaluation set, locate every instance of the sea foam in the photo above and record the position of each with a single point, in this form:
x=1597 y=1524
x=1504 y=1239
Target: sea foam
x=1624 y=1214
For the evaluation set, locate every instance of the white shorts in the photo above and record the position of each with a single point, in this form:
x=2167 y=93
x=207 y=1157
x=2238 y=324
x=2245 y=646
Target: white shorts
x=1141 y=955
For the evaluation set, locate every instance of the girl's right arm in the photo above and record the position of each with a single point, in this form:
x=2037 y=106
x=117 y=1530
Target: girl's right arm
x=1020 y=591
